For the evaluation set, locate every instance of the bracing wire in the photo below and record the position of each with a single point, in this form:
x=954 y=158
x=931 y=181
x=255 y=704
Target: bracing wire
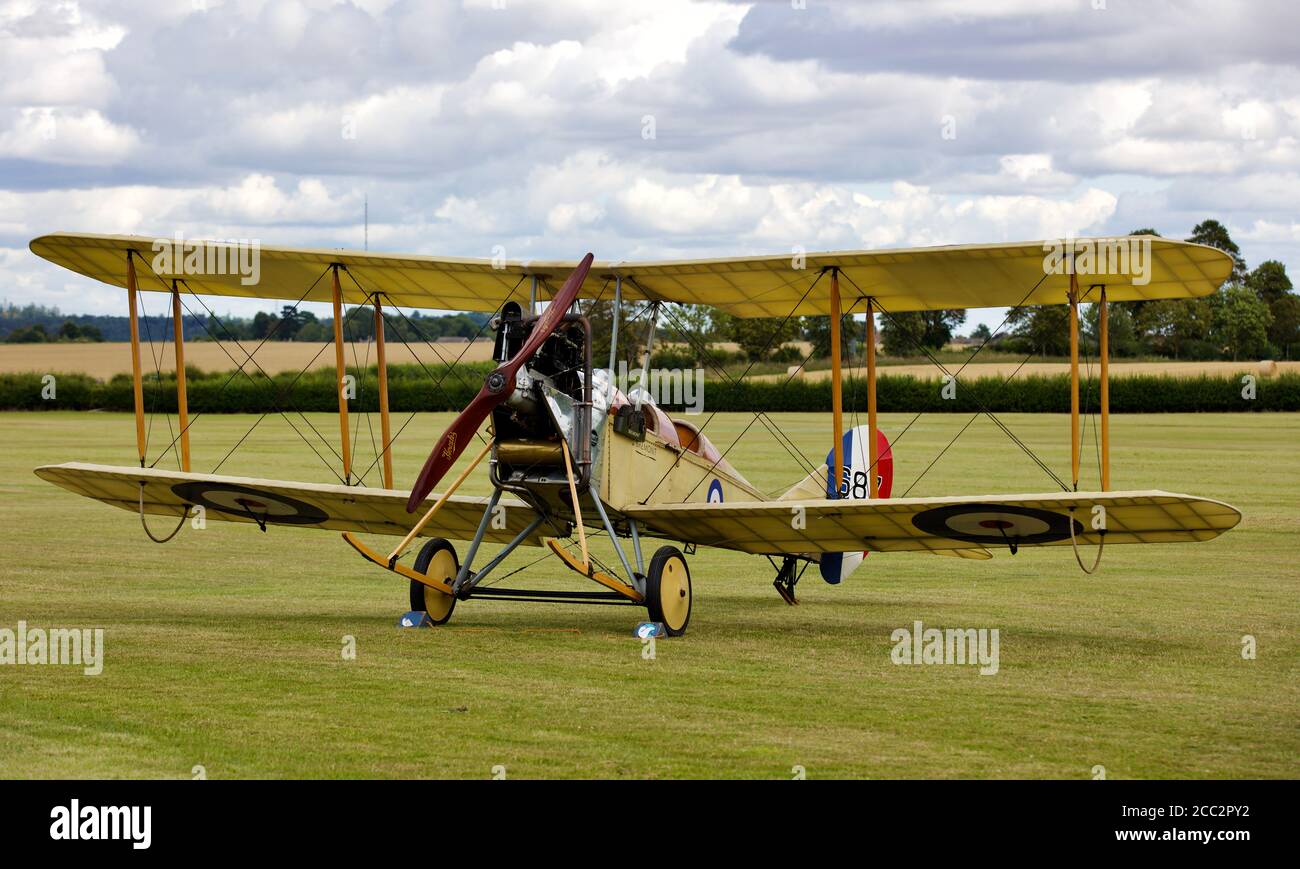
x=451 y=367
x=782 y=438
x=239 y=369
x=983 y=408
x=145 y=525
x=775 y=333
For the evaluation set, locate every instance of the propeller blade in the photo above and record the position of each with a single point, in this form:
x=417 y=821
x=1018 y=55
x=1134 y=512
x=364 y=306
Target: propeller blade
x=496 y=389
x=547 y=323
x=451 y=445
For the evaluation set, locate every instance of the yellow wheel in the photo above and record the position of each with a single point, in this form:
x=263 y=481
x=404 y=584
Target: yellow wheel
x=668 y=590
x=436 y=560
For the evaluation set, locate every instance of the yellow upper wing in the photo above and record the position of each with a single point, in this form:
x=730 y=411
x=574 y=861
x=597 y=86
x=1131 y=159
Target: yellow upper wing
x=913 y=279
x=934 y=524
x=291 y=274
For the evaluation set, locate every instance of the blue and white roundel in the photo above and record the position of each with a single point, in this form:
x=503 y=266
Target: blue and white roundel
x=715 y=492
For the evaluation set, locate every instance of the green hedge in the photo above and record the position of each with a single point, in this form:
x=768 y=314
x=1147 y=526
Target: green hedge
x=1129 y=394
x=411 y=388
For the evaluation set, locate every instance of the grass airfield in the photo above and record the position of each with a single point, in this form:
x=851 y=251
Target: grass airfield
x=223 y=647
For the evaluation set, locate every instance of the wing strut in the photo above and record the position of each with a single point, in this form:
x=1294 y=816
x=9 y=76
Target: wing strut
x=182 y=401
x=837 y=386
x=419 y=526
x=381 y=363
x=340 y=372
x=137 y=384
x=1103 y=336
x=1074 y=377
x=872 y=428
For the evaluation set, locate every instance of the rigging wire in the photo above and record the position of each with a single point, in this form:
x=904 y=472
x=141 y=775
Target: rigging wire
x=983 y=408
x=1091 y=416
x=775 y=333
x=374 y=445
x=275 y=392
x=437 y=381
x=360 y=382
x=962 y=431
x=155 y=395
x=783 y=439
x=286 y=393
x=761 y=414
x=992 y=334
x=768 y=423
x=420 y=334
x=240 y=366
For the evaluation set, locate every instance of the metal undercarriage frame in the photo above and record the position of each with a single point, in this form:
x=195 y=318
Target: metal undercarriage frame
x=787 y=577
x=468 y=582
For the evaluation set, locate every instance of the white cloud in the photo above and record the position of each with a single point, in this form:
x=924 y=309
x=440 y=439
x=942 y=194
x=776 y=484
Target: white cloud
x=51 y=53
x=1270 y=231
x=469 y=126
x=255 y=205
x=713 y=204
x=885 y=14
x=50 y=135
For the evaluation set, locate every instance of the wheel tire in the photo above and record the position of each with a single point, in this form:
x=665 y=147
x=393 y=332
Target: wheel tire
x=668 y=590
x=437 y=559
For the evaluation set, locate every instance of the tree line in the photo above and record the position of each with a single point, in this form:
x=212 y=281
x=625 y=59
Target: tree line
x=69 y=331
x=1254 y=314
x=38 y=324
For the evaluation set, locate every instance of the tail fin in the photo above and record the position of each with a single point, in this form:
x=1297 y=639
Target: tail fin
x=856 y=463
x=835 y=566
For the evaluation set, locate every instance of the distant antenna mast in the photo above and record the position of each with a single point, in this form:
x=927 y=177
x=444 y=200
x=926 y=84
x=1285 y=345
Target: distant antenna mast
x=366 y=206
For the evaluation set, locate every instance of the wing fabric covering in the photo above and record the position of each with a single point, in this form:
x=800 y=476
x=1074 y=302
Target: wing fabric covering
x=902 y=279
x=933 y=524
x=283 y=503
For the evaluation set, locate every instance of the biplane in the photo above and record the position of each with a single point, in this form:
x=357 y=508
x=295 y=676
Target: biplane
x=569 y=454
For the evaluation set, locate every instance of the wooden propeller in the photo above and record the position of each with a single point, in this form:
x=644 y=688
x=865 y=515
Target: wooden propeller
x=496 y=389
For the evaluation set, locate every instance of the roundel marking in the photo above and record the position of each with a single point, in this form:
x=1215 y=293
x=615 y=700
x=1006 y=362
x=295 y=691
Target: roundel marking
x=715 y=492
x=246 y=501
x=995 y=523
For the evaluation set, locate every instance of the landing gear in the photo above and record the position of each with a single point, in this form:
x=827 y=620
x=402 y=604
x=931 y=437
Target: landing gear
x=786 y=577
x=668 y=590
x=437 y=559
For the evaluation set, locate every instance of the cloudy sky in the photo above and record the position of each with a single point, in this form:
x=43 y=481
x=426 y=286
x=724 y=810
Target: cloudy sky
x=637 y=129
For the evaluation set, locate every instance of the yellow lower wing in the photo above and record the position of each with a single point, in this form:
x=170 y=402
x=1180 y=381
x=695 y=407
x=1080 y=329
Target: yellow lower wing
x=284 y=503
x=940 y=524
x=976 y=554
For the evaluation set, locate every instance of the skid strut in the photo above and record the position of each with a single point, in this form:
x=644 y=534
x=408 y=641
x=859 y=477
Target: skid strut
x=786 y=578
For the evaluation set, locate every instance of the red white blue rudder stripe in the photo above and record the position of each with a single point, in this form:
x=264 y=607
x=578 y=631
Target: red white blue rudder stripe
x=835 y=566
